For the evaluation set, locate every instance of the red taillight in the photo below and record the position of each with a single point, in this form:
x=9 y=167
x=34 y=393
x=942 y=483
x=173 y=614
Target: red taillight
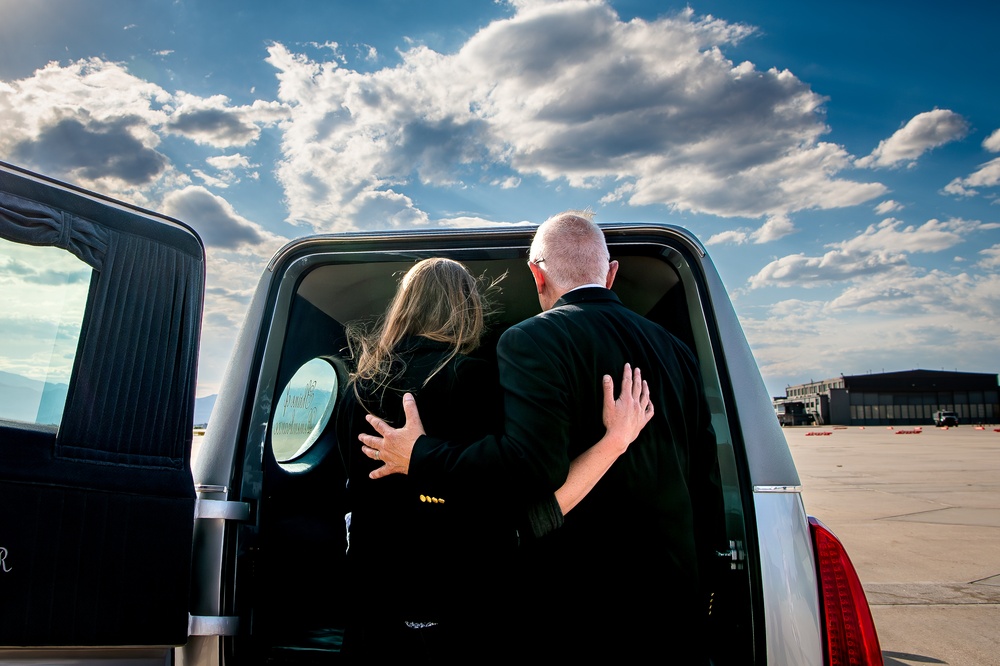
x=849 y=633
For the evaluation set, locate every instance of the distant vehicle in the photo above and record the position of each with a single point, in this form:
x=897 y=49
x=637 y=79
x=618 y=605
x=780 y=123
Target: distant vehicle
x=116 y=548
x=793 y=414
x=942 y=419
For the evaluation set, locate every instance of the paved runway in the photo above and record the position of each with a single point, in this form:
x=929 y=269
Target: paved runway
x=919 y=514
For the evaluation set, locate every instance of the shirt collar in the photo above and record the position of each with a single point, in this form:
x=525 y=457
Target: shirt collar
x=587 y=286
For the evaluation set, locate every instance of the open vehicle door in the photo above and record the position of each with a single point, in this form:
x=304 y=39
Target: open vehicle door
x=97 y=503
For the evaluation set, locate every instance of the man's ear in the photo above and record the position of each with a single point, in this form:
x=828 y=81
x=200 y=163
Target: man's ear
x=612 y=271
x=539 y=275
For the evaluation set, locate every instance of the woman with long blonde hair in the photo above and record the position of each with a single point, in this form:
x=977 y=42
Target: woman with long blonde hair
x=457 y=546
x=437 y=300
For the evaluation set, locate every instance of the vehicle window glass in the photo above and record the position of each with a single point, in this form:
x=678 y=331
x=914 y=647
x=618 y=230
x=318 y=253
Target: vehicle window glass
x=43 y=295
x=304 y=409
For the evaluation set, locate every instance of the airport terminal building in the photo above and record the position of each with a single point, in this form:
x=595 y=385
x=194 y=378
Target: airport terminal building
x=894 y=398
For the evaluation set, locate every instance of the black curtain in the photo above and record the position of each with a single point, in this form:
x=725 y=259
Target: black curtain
x=124 y=363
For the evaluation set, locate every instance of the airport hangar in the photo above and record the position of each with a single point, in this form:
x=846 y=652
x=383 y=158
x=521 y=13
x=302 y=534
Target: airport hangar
x=897 y=398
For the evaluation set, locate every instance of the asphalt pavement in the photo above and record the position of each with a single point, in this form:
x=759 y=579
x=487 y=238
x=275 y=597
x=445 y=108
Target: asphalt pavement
x=919 y=514
x=918 y=509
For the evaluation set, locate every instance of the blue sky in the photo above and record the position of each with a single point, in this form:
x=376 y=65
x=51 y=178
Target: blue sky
x=840 y=160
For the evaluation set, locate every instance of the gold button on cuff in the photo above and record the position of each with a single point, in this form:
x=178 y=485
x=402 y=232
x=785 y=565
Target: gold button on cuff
x=432 y=500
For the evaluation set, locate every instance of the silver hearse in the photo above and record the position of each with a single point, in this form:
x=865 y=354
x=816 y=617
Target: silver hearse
x=116 y=547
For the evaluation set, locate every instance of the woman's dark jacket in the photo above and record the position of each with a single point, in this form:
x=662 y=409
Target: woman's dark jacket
x=438 y=552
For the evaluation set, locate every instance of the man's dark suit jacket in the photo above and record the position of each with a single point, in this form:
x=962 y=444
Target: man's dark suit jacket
x=623 y=571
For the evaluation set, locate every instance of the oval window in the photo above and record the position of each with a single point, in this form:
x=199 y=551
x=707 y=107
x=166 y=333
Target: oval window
x=304 y=409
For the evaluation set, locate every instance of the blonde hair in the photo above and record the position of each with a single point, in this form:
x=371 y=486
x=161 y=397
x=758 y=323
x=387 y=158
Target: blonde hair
x=438 y=299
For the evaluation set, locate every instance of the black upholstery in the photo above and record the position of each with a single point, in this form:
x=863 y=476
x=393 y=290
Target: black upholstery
x=96 y=517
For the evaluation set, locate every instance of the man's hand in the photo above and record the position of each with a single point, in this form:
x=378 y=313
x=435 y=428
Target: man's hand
x=394 y=447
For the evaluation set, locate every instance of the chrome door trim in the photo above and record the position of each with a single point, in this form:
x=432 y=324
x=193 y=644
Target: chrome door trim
x=777 y=489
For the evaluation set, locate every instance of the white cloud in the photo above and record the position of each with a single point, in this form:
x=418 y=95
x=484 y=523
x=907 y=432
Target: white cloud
x=667 y=120
x=43 y=294
x=229 y=162
x=836 y=265
x=213 y=121
x=922 y=133
x=732 y=237
x=774 y=228
x=509 y=183
x=992 y=142
x=94 y=124
x=988 y=175
x=888 y=206
x=226 y=166
x=215 y=220
x=991 y=257
x=472 y=221
x=932 y=294
x=891 y=235
x=213 y=181
x=880 y=249
x=948 y=321
x=90 y=122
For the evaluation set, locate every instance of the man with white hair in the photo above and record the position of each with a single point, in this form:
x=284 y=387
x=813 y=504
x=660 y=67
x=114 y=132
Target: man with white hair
x=622 y=575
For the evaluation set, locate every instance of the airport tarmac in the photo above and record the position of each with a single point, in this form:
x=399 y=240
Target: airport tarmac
x=918 y=509
x=919 y=515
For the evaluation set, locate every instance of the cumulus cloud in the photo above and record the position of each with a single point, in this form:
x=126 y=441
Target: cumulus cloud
x=213 y=121
x=991 y=257
x=881 y=248
x=922 y=133
x=917 y=311
x=672 y=121
x=93 y=123
x=214 y=219
x=229 y=162
x=90 y=122
x=731 y=237
x=774 y=228
x=509 y=183
x=214 y=127
x=888 y=206
x=667 y=120
x=992 y=142
x=92 y=151
x=92 y=88
x=214 y=181
x=473 y=221
x=835 y=265
x=988 y=175
x=15 y=271
x=891 y=235
x=907 y=291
